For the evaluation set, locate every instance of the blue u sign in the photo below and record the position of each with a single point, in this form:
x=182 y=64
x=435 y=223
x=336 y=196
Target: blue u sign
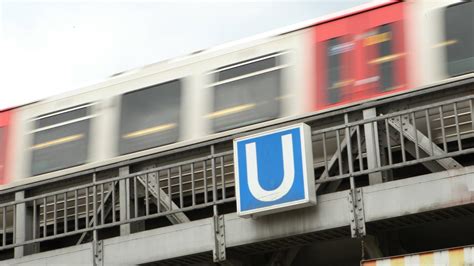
x=274 y=171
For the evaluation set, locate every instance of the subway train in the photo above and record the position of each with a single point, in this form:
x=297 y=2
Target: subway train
x=375 y=50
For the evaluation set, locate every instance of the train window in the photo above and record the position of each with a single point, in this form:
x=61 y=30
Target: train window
x=247 y=92
x=150 y=117
x=60 y=140
x=60 y=118
x=382 y=57
x=335 y=50
x=459 y=42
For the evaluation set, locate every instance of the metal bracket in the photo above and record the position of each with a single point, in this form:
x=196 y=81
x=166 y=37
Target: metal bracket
x=98 y=253
x=357 y=218
x=219 y=252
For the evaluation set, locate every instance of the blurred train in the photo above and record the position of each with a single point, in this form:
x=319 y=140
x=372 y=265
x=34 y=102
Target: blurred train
x=375 y=50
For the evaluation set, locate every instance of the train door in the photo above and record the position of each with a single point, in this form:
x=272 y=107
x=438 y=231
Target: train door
x=360 y=56
x=335 y=55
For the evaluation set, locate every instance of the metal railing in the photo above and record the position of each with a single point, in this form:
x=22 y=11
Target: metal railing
x=423 y=133
x=192 y=184
x=430 y=135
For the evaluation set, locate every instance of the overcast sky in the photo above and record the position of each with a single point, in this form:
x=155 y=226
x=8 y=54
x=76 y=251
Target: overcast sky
x=49 y=47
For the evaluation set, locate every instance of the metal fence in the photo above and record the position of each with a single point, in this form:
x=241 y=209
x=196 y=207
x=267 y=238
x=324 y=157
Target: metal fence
x=192 y=184
x=430 y=135
x=416 y=136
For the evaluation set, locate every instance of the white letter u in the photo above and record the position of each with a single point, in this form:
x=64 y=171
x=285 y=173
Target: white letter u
x=288 y=171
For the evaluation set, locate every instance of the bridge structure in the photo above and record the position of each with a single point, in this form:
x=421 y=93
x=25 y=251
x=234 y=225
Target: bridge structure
x=392 y=176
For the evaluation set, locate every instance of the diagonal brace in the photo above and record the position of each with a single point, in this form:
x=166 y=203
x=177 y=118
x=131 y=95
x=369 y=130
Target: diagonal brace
x=423 y=142
x=334 y=159
x=164 y=200
x=107 y=209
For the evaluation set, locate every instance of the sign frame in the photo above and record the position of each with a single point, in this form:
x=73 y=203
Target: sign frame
x=307 y=172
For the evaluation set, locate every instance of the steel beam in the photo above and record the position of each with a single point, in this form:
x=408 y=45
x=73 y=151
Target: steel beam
x=409 y=196
x=74 y=255
x=219 y=251
x=160 y=244
x=98 y=253
x=356 y=208
x=432 y=166
x=164 y=200
x=420 y=140
x=381 y=201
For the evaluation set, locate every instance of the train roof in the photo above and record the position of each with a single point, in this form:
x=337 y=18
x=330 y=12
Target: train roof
x=124 y=75
x=272 y=33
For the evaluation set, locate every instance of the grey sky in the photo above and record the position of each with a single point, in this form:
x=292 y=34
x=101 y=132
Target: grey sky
x=52 y=47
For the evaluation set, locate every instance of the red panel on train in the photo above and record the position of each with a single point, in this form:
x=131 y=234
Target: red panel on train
x=361 y=56
x=5 y=117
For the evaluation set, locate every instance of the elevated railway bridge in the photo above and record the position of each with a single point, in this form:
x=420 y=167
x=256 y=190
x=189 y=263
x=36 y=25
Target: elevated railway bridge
x=392 y=176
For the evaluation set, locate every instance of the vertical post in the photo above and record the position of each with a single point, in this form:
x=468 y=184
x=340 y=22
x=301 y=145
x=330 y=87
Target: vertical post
x=213 y=173
x=137 y=208
x=124 y=200
x=20 y=230
x=129 y=207
x=372 y=147
x=219 y=251
x=97 y=250
x=24 y=227
x=348 y=145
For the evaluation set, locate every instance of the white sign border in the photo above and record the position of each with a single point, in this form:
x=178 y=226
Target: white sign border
x=308 y=173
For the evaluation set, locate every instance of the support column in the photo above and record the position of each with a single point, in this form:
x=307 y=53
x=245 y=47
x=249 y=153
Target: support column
x=372 y=147
x=356 y=216
x=97 y=250
x=24 y=227
x=127 y=204
x=124 y=200
x=219 y=252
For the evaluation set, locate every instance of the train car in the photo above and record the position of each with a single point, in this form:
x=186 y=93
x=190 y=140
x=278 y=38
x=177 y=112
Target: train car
x=161 y=107
x=332 y=62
